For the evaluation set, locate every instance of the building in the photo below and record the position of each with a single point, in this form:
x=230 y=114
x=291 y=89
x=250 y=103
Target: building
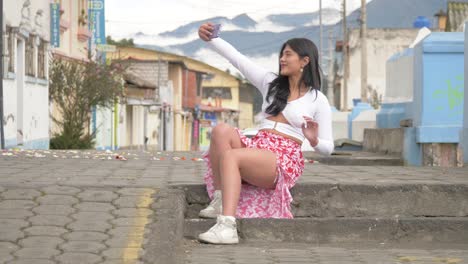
x=194 y=99
x=457 y=16
x=25 y=79
x=381 y=45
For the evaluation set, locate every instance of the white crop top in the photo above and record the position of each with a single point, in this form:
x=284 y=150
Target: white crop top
x=313 y=104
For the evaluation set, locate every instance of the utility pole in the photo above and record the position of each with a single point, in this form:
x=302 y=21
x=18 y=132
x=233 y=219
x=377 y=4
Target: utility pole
x=330 y=92
x=321 y=32
x=2 y=134
x=363 y=52
x=345 y=60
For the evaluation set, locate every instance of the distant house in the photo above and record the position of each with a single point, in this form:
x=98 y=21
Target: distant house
x=25 y=103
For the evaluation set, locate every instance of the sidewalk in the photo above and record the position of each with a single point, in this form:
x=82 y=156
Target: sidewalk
x=95 y=207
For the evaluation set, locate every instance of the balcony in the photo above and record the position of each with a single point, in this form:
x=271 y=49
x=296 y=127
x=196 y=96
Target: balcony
x=64 y=25
x=83 y=34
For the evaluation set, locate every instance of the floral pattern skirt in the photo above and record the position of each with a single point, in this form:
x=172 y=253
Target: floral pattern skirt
x=256 y=202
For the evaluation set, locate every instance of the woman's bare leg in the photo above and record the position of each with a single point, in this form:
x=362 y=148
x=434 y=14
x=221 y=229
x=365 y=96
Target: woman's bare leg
x=255 y=166
x=223 y=137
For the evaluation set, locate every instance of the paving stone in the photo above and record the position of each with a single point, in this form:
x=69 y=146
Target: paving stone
x=4 y=258
x=36 y=253
x=97 y=196
x=94 y=207
x=32 y=261
x=15 y=213
x=54 y=209
x=64 y=190
x=83 y=247
x=89 y=226
x=57 y=199
x=136 y=191
x=133 y=202
x=134 y=230
x=126 y=253
x=86 y=236
x=78 y=258
x=133 y=212
x=17 y=204
x=50 y=220
x=126 y=241
x=45 y=231
x=130 y=221
x=40 y=242
x=20 y=194
x=13 y=223
x=95 y=216
x=7 y=248
x=10 y=235
x=121 y=261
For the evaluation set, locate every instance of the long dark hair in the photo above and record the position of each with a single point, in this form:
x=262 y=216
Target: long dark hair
x=279 y=87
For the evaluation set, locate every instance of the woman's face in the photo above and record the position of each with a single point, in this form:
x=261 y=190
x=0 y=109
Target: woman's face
x=290 y=62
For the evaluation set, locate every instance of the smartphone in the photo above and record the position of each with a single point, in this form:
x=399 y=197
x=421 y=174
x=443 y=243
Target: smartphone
x=215 y=33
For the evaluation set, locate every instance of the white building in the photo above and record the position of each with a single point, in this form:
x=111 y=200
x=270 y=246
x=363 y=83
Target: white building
x=381 y=45
x=25 y=83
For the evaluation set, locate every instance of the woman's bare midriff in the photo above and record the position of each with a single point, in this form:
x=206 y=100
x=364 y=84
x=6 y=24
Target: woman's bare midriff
x=281 y=119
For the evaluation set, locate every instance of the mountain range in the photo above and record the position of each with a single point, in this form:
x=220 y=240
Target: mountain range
x=263 y=39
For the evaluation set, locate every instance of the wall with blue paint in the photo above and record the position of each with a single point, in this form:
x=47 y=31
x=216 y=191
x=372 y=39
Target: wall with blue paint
x=438 y=87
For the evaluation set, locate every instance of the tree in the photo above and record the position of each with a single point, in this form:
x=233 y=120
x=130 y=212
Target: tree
x=74 y=88
x=120 y=43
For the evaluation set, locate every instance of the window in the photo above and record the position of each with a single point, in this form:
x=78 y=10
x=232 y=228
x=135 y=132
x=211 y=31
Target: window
x=217 y=92
x=10 y=51
x=29 y=59
x=41 y=60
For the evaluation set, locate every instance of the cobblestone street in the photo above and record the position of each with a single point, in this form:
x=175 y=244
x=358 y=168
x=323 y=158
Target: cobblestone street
x=95 y=207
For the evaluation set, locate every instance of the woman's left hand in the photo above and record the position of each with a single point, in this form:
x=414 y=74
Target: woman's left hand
x=310 y=130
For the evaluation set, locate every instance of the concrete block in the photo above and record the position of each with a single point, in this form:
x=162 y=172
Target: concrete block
x=366 y=119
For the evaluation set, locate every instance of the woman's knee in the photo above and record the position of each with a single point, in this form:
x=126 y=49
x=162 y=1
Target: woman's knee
x=220 y=132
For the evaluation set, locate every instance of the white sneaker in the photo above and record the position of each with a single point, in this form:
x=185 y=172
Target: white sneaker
x=223 y=232
x=215 y=207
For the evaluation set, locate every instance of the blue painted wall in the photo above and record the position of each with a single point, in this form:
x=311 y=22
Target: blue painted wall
x=438 y=88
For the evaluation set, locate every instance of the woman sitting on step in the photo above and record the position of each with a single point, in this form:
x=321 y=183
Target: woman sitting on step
x=251 y=177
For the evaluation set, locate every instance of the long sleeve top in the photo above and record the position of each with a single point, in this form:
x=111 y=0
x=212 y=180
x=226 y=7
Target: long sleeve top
x=314 y=103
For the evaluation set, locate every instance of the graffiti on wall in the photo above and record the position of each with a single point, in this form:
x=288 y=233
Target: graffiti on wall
x=451 y=96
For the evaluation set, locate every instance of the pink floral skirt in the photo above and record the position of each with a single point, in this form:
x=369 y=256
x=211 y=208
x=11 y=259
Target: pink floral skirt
x=256 y=202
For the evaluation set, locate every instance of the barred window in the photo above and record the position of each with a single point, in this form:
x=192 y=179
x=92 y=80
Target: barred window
x=29 y=59
x=41 y=60
x=10 y=45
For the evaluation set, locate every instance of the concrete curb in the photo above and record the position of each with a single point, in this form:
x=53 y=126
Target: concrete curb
x=166 y=231
x=345 y=230
x=360 y=200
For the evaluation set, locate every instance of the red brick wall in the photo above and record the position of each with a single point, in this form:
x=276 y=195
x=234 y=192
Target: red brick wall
x=189 y=93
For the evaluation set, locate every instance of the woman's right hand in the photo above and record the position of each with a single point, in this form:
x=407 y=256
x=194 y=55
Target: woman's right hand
x=205 y=31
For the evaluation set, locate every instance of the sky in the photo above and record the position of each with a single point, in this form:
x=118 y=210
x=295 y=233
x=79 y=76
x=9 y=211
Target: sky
x=125 y=17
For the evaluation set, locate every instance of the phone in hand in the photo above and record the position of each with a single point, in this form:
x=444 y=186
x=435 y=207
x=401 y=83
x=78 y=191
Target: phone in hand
x=215 y=33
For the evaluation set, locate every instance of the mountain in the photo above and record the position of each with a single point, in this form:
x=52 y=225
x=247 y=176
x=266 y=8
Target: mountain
x=242 y=21
x=262 y=39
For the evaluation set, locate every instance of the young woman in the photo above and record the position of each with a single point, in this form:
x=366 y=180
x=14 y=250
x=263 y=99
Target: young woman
x=251 y=177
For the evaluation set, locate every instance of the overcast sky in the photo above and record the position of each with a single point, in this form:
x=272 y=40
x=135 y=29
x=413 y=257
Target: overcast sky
x=155 y=16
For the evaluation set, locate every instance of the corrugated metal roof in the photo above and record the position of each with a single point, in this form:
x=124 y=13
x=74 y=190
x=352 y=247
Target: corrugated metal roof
x=457 y=15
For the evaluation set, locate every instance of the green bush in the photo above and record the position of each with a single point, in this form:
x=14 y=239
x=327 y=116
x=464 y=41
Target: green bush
x=72 y=142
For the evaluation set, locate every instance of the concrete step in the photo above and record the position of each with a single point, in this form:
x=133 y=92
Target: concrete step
x=355 y=158
x=344 y=230
x=361 y=200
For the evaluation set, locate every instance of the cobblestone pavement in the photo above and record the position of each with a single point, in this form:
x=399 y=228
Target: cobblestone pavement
x=94 y=207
